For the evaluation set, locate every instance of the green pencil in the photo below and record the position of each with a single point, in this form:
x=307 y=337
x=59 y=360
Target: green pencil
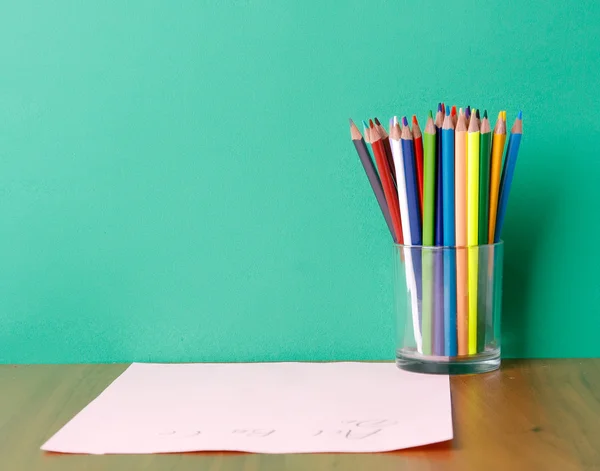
x=428 y=234
x=484 y=178
x=485 y=144
x=429 y=182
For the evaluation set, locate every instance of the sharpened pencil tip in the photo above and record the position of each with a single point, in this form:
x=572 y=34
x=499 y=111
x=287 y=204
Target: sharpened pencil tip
x=414 y=119
x=520 y=115
x=485 y=114
x=351 y=122
x=404 y=121
x=430 y=115
x=439 y=107
x=453 y=111
x=377 y=122
x=477 y=114
x=371 y=125
x=365 y=125
x=447 y=111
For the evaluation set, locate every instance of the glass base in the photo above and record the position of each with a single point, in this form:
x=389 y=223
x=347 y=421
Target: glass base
x=411 y=360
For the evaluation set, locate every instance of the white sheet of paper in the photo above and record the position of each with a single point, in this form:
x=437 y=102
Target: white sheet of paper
x=262 y=408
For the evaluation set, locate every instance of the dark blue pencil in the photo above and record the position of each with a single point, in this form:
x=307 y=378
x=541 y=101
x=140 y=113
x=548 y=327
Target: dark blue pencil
x=412 y=188
x=438 y=260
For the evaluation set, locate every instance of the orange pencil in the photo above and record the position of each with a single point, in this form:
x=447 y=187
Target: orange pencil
x=498 y=141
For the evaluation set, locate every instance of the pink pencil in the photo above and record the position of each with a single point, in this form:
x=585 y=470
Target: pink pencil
x=460 y=195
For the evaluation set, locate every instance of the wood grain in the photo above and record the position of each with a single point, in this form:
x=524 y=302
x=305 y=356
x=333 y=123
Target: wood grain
x=530 y=415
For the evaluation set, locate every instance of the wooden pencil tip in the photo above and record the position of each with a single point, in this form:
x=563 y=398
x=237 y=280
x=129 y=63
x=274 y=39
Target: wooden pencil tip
x=453 y=111
x=404 y=121
x=414 y=119
x=439 y=107
x=430 y=115
x=351 y=122
x=377 y=122
x=447 y=111
x=477 y=114
x=485 y=114
x=520 y=115
x=371 y=125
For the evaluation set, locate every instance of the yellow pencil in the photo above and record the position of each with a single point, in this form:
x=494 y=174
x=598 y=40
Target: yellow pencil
x=498 y=141
x=473 y=226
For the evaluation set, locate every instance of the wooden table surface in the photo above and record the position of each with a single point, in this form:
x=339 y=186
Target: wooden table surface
x=531 y=415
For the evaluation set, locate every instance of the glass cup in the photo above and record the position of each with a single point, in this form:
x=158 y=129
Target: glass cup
x=448 y=308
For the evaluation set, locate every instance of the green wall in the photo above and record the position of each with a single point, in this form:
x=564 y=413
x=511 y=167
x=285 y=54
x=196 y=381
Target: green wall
x=177 y=181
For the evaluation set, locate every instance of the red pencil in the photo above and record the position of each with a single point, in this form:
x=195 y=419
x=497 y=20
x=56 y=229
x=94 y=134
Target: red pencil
x=385 y=138
x=418 y=143
x=453 y=115
x=385 y=174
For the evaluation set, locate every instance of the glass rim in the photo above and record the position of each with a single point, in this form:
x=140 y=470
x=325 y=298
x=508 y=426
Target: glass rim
x=442 y=247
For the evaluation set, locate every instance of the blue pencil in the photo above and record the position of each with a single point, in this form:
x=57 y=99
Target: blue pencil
x=449 y=235
x=412 y=192
x=508 y=172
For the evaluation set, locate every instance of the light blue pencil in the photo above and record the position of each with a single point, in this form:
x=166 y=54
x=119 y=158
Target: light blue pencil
x=450 y=347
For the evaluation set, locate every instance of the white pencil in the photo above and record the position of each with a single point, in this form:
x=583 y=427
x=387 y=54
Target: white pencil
x=397 y=155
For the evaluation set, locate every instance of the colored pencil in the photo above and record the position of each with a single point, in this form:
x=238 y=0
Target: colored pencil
x=398 y=157
x=366 y=132
x=472 y=226
x=370 y=170
x=508 y=172
x=412 y=273
x=484 y=179
x=439 y=213
x=460 y=178
x=386 y=145
x=484 y=191
x=428 y=235
x=385 y=175
x=418 y=143
x=412 y=196
x=438 y=267
x=454 y=115
x=429 y=165
x=412 y=189
x=498 y=140
x=450 y=348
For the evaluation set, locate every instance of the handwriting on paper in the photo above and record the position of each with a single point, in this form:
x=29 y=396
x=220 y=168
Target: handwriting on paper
x=349 y=429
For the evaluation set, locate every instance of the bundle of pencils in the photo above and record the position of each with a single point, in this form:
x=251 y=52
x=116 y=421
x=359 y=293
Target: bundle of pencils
x=445 y=187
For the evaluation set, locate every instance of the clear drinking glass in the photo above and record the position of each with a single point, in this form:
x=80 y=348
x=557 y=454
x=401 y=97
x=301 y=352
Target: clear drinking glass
x=448 y=308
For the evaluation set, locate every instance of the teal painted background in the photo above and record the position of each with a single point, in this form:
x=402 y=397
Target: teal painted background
x=177 y=181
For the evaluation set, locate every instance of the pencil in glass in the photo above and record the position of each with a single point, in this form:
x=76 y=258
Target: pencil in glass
x=370 y=170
